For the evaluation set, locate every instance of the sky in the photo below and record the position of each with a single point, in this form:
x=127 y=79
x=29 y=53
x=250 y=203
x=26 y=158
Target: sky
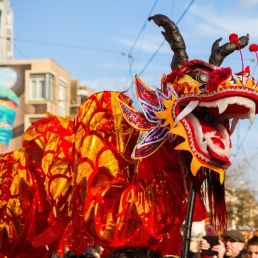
x=104 y=44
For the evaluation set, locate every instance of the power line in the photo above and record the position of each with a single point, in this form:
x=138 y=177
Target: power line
x=68 y=46
x=143 y=27
x=155 y=53
x=21 y=52
x=129 y=53
x=185 y=11
x=91 y=48
x=151 y=58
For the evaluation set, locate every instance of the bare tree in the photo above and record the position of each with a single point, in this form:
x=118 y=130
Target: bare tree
x=242 y=205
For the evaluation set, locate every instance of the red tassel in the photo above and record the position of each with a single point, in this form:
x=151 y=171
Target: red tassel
x=233 y=38
x=254 y=48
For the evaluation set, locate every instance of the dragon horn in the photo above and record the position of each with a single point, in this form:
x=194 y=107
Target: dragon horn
x=174 y=38
x=218 y=53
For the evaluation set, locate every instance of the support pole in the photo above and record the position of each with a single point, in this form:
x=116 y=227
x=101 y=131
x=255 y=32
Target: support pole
x=188 y=223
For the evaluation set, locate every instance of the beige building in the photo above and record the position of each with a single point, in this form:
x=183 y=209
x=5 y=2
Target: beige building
x=41 y=85
x=6 y=31
x=78 y=94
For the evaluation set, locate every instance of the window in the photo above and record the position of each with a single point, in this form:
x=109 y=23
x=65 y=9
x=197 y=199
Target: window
x=0 y=20
x=51 y=86
x=41 y=87
x=82 y=95
x=8 y=45
x=33 y=119
x=8 y=33
x=62 y=97
x=30 y=119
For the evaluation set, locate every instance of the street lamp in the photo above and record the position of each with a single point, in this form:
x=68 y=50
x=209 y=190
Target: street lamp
x=127 y=54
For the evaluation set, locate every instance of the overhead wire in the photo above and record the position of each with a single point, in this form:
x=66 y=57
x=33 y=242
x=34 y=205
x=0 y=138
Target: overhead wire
x=90 y=48
x=69 y=46
x=24 y=55
x=157 y=50
x=143 y=27
x=21 y=52
x=129 y=53
x=108 y=50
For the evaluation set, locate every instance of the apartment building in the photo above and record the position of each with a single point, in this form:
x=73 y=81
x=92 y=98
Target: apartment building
x=6 y=31
x=41 y=85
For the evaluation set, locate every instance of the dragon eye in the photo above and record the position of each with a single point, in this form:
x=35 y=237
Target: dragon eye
x=202 y=77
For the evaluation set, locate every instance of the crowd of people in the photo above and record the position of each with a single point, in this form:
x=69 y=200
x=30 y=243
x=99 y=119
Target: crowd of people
x=120 y=252
x=231 y=244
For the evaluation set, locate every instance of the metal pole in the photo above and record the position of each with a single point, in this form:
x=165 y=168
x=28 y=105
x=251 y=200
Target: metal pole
x=188 y=223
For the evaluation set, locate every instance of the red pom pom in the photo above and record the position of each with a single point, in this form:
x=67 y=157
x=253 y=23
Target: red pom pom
x=233 y=38
x=253 y=47
x=218 y=76
x=172 y=76
x=247 y=70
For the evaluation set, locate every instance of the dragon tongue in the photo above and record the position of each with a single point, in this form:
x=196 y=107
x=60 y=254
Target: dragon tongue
x=215 y=155
x=218 y=141
x=208 y=129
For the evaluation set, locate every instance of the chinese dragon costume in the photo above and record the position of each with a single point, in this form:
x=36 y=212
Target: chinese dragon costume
x=116 y=176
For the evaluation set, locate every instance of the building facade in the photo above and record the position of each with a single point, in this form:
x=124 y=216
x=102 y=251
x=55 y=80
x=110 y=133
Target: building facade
x=6 y=31
x=41 y=85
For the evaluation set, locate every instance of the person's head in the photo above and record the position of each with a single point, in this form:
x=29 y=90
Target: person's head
x=95 y=250
x=134 y=252
x=8 y=103
x=234 y=242
x=81 y=256
x=53 y=255
x=252 y=247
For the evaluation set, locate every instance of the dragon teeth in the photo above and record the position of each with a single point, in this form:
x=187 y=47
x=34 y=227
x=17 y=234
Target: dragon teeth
x=222 y=105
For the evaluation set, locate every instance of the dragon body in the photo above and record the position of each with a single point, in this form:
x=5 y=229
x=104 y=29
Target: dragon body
x=117 y=176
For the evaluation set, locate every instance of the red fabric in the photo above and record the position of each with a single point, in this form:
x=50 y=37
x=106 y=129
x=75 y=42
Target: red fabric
x=24 y=173
x=145 y=200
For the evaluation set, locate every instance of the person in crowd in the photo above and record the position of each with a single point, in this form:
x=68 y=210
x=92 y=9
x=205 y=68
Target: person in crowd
x=95 y=250
x=53 y=255
x=81 y=256
x=92 y=252
x=252 y=247
x=134 y=252
x=231 y=245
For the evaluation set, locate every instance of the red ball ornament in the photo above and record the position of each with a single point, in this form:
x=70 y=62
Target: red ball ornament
x=233 y=38
x=253 y=47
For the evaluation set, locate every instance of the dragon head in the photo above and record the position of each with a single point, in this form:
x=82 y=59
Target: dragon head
x=208 y=103
x=198 y=101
